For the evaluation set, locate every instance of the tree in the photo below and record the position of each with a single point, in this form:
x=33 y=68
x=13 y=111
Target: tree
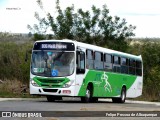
x=94 y=27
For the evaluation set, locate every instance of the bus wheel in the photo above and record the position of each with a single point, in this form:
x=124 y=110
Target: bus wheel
x=123 y=95
x=50 y=98
x=122 y=98
x=88 y=96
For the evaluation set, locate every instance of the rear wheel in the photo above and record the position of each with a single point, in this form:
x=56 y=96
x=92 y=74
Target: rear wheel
x=88 y=95
x=122 y=97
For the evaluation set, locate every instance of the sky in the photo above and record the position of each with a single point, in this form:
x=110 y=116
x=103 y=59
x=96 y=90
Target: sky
x=15 y=15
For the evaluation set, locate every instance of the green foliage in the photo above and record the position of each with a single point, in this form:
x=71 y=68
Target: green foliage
x=151 y=58
x=12 y=61
x=39 y=37
x=95 y=26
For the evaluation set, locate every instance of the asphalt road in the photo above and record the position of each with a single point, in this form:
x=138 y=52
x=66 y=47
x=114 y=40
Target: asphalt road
x=74 y=104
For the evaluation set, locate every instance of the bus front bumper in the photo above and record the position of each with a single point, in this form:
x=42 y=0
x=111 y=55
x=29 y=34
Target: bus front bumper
x=52 y=91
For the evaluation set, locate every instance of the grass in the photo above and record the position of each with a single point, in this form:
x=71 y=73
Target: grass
x=13 y=88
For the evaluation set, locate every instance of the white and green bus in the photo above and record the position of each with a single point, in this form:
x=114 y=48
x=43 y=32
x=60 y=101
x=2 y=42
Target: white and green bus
x=61 y=68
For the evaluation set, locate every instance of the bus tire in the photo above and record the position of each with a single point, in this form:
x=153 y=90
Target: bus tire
x=122 y=97
x=50 y=98
x=88 y=95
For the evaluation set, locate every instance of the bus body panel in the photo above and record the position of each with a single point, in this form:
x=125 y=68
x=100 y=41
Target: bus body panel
x=136 y=88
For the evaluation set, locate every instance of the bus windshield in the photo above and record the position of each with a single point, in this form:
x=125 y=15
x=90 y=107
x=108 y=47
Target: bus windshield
x=52 y=63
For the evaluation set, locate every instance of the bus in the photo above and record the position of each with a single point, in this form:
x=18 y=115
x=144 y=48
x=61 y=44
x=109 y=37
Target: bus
x=67 y=68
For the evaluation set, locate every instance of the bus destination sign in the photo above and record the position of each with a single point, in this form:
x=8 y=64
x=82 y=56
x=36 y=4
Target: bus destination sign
x=54 y=46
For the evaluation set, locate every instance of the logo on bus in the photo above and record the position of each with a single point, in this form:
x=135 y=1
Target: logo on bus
x=107 y=85
x=50 y=85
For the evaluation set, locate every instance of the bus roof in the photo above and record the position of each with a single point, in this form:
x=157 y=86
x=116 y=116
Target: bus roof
x=97 y=48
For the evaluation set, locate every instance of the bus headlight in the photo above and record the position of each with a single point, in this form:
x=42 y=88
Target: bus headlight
x=68 y=84
x=34 y=83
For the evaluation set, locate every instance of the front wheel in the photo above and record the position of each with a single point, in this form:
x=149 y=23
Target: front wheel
x=50 y=98
x=122 y=97
x=88 y=96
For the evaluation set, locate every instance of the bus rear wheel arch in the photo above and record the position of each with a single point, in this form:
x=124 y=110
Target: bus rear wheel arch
x=122 y=97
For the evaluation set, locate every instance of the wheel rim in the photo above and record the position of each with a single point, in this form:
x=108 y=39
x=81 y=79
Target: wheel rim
x=123 y=95
x=88 y=93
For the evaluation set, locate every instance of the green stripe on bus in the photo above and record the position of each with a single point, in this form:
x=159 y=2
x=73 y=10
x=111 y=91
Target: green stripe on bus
x=106 y=84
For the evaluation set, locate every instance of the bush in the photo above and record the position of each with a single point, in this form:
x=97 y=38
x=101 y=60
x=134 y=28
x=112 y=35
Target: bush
x=12 y=61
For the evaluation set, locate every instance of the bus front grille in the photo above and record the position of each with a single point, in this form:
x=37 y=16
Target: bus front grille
x=51 y=81
x=54 y=86
x=50 y=90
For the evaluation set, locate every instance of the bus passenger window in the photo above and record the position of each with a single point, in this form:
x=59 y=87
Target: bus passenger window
x=116 y=64
x=89 y=59
x=132 y=65
x=107 y=62
x=98 y=62
x=138 y=68
x=124 y=65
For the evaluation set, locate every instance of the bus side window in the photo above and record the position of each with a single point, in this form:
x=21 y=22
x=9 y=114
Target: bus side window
x=98 y=61
x=107 y=62
x=116 y=64
x=124 y=65
x=132 y=65
x=89 y=59
x=139 y=68
x=80 y=62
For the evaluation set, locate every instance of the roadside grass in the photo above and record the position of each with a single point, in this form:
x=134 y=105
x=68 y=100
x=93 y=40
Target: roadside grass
x=13 y=88
x=146 y=98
